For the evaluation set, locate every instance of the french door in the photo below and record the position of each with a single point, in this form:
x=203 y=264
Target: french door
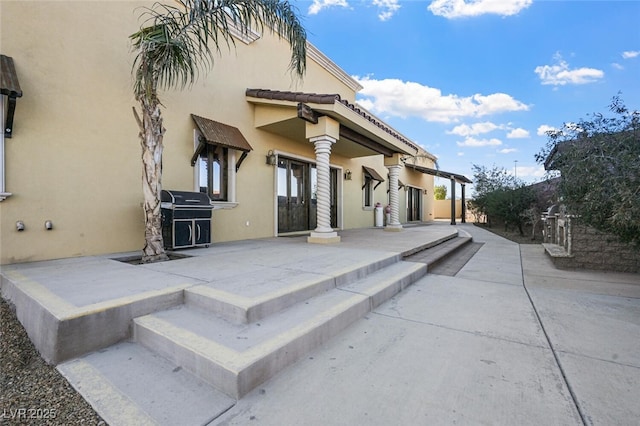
x=414 y=204
x=297 y=195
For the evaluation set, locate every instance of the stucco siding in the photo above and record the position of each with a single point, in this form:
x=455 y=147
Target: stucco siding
x=74 y=158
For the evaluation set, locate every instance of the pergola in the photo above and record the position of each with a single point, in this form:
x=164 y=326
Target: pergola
x=453 y=177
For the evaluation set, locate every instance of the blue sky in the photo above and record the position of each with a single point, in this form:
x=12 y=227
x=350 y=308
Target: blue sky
x=478 y=82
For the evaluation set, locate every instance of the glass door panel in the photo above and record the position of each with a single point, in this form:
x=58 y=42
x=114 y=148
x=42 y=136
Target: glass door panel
x=293 y=196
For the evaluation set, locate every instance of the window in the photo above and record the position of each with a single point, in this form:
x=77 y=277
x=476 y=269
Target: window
x=367 y=191
x=219 y=150
x=213 y=165
x=370 y=176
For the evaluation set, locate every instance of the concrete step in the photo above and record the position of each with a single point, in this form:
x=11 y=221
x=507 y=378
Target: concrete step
x=433 y=255
x=388 y=282
x=454 y=262
x=235 y=357
x=128 y=384
x=431 y=243
x=250 y=297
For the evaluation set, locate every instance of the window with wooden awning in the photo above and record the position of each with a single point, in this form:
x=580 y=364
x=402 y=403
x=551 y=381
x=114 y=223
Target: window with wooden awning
x=215 y=157
x=370 y=176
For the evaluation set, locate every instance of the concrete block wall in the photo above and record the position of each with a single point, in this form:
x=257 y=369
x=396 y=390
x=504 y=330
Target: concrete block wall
x=593 y=249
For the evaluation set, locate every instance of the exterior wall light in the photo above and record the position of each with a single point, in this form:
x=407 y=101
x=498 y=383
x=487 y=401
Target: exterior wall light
x=347 y=175
x=20 y=225
x=48 y=225
x=272 y=158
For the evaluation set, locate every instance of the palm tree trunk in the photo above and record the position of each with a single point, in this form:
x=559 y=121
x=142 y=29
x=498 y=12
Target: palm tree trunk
x=151 y=134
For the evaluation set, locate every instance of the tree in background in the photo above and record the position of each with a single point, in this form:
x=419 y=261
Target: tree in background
x=546 y=195
x=501 y=196
x=171 y=48
x=599 y=164
x=440 y=192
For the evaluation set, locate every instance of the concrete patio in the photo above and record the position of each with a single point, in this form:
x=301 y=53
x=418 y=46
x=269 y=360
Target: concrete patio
x=508 y=340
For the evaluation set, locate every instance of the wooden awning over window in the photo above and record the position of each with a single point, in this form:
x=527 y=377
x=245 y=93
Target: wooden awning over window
x=215 y=133
x=10 y=87
x=372 y=174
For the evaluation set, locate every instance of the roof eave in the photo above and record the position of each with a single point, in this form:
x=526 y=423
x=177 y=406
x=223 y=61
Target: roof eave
x=349 y=118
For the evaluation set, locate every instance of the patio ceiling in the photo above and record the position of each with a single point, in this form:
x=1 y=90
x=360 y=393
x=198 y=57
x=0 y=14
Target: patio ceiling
x=360 y=133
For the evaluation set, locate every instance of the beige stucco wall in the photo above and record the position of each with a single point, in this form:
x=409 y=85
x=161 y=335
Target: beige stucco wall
x=442 y=209
x=74 y=158
x=73 y=128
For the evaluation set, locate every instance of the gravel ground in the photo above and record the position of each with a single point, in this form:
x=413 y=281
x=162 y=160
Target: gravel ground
x=31 y=391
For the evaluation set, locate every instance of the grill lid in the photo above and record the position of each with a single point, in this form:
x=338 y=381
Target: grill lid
x=185 y=199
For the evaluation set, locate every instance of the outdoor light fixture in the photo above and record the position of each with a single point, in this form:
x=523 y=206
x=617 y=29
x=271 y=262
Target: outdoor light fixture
x=20 y=225
x=48 y=225
x=271 y=158
x=347 y=175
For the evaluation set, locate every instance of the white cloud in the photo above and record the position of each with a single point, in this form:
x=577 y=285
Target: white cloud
x=367 y=104
x=460 y=154
x=487 y=127
x=569 y=128
x=388 y=8
x=507 y=150
x=631 y=54
x=545 y=128
x=617 y=66
x=572 y=127
x=409 y=99
x=318 y=5
x=497 y=102
x=518 y=134
x=464 y=8
x=530 y=171
x=474 y=129
x=475 y=143
x=559 y=74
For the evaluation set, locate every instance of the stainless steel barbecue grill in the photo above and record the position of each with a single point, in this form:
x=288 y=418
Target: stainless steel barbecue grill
x=186 y=219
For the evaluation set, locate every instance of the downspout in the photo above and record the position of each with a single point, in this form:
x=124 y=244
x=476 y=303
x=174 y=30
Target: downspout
x=3 y=195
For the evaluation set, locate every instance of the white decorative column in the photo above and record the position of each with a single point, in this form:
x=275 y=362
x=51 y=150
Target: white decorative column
x=394 y=222
x=324 y=233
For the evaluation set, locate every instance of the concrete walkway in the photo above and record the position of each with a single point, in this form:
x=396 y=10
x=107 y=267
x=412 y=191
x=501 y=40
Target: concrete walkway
x=509 y=340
